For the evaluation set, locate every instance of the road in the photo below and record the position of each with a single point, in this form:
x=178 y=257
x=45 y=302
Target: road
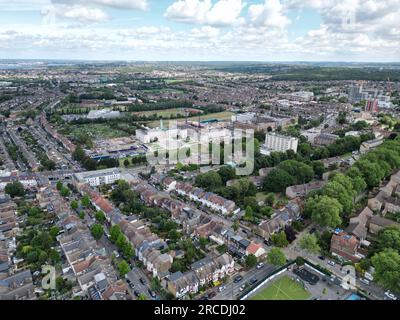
x=232 y=289
x=134 y=275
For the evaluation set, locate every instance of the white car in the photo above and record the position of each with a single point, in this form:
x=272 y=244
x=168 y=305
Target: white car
x=364 y=281
x=390 y=295
x=331 y=263
x=242 y=287
x=260 y=265
x=221 y=288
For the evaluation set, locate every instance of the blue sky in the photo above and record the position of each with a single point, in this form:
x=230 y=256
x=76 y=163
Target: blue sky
x=261 y=30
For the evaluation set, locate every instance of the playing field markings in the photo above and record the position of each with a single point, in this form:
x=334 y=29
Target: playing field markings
x=279 y=290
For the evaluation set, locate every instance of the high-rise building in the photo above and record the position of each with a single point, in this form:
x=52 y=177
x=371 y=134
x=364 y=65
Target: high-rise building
x=355 y=93
x=279 y=143
x=372 y=106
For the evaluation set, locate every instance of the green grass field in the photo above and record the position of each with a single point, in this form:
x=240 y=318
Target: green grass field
x=283 y=289
x=221 y=116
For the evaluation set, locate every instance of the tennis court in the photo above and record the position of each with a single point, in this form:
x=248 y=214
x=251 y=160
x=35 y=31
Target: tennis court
x=283 y=289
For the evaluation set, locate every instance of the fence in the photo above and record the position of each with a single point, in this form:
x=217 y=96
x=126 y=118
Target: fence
x=268 y=278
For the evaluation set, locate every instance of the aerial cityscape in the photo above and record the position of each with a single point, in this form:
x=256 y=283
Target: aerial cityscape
x=199 y=150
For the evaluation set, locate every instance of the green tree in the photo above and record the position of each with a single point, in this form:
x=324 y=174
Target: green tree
x=85 y=201
x=81 y=215
x=126 y=163
x=79 y=154
x=127 y=250
x=389 y=238
x=251 y=261
x=123 y=268
x=177 y=265
x=59 y=185
x=301 y=172
x=277 y=181
x=371 y=172
x=309 y=242
x=203 y=242
x=270 y=199
x=97 y=231
x=276 y=257
x=279 y=239
x=65 y=192
x=209 y=181
x=100 y=217
x=387 y=269
x=248 y=215
x=15 y=189
x=54 y=230
x=74 y=205
x=324 y=211
x=142 y=297
x=54 y=256
x=226 y=173
x=235 y=225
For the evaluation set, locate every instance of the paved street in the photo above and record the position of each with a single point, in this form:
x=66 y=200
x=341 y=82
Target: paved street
x=232 y=289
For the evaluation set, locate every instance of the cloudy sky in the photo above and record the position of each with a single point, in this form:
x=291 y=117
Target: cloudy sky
x=250 y=30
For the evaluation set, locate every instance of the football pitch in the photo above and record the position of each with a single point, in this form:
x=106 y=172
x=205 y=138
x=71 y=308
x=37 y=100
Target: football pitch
x=283 y=289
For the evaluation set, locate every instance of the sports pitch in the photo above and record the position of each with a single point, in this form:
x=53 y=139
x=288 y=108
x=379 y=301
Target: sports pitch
x=283 y=289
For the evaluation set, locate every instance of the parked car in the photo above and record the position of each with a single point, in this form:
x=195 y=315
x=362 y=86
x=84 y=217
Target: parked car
x=390 y=295
x=152 y=293
x=242 y=287
x=268 y=243
x=132 y=285
x=238 y=279
x=260 y=265
x=136 y=293
x=142 y=281
x=252 y=281
x=212 y=294
x=221 y=288
x=364 y=281
x=330 y=262
x=321 y=258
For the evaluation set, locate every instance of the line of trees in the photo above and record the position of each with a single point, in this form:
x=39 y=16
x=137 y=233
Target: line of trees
x=333 y=204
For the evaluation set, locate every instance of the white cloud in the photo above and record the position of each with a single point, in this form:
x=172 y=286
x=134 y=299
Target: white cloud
x=259 y=33
x=123 y=4
x=222 y=13
x=268 y=14
x=120 y=4
x=84 y=14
